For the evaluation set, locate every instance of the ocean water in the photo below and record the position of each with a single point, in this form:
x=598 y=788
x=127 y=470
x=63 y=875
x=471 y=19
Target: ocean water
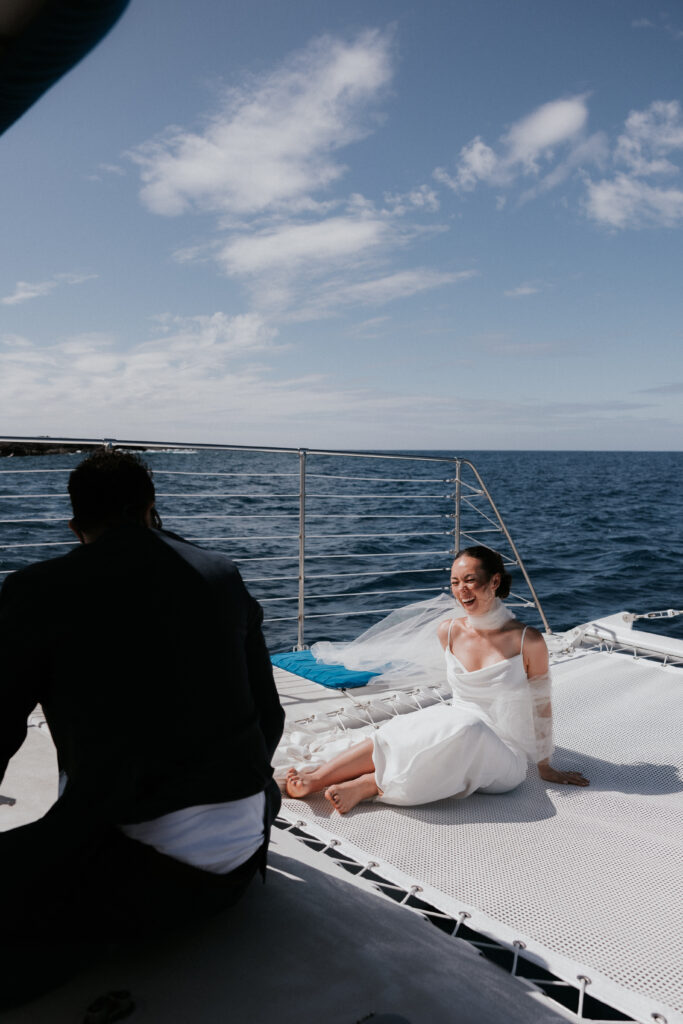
x=599 y=532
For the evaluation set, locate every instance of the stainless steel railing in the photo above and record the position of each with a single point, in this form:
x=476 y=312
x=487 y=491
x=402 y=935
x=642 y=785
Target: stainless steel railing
x=319 y=535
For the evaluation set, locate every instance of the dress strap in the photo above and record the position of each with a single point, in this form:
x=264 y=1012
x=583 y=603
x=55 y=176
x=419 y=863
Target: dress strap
x=450 y=627
x=521 y=646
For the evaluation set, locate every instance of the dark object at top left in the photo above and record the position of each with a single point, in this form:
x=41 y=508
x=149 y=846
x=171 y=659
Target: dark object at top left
x=40 y=40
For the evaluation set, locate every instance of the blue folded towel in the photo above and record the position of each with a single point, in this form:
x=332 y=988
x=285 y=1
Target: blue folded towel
x=302 y=663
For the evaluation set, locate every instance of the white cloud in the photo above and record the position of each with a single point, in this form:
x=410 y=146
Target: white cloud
x=671 y=29
x=106 y=169
x=534 y=136
x=522 y=289
x=527 y=144
x=194 y=362
x=201 y=253
x=337 y=294
x=478 y=162
x=26 y=290
x=645 y=148
x=14 y=341
x=190 y=347
x=592 y=150
x=649 y=137
x=112 y=169
x=628 y=202
x=300 y=270
x=423 y=197
x=273 y=143
x=401 y=285
x=197 y=371
x=258 y=165
x=216 y=375
x=291 y=246
x=70 y=278
x=246 y=332
x=550 y=145
x=369 y=328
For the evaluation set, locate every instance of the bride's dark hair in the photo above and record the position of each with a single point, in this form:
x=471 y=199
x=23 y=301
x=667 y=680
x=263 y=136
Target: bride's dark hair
x=492 y=563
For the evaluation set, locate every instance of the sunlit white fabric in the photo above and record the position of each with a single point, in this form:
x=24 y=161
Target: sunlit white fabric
x=403 y=646
x=541 y=708
x=441 y=752
x=517 y=708
x=481 y=741
x=496 y=617
x=213 y=837
x=406 y=648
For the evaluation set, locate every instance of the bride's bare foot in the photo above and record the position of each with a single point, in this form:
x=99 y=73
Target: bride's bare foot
x=300 y=784
x=345 y=795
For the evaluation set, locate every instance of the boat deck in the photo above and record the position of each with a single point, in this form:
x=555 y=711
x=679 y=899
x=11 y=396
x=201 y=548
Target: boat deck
x=587 y=882
x=315 y=944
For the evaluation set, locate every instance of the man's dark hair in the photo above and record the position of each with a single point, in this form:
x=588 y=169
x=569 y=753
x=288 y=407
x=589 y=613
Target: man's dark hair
x=110 y=488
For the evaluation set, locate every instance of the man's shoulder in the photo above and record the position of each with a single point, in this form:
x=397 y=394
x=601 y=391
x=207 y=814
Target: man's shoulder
x=36 y=585
x=44 y=570
x=204 y=560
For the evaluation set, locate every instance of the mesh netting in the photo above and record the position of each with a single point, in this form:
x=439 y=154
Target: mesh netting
x=590 y=879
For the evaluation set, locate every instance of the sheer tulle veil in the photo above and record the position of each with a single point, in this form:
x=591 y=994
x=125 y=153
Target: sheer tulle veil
x=404 y=645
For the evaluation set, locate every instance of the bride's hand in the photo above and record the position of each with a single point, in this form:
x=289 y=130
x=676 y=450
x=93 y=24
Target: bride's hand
x=550 y=774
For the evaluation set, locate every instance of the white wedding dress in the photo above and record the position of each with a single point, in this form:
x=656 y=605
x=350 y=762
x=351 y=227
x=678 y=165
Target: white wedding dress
x=497 y=721
x=478 y=742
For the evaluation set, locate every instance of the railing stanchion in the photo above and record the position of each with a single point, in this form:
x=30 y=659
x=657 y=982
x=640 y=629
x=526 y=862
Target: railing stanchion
x=300 y=645
x=456 y=534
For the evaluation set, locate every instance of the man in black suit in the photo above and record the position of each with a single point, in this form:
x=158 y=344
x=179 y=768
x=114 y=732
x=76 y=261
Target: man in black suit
x=147 y=657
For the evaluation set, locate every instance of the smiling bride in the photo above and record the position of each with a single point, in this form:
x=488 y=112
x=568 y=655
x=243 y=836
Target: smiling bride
x=499 y=719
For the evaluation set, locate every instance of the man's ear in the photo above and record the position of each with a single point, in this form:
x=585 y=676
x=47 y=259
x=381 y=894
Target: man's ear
x=74 y=529
x=151 y=517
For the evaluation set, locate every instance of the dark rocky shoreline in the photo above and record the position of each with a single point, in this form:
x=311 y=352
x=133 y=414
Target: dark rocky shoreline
x=24 y=448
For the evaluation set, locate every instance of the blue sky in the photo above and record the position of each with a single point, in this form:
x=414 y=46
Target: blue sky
x=370 y=225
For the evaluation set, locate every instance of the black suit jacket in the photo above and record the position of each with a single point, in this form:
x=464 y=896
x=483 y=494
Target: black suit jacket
x=147 y=656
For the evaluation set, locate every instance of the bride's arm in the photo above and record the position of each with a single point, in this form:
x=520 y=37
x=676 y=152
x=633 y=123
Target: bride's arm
x=538 y=674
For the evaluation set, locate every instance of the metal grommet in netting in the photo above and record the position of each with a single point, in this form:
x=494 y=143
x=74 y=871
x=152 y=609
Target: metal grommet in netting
x=414 y=889
x=462 y=916
x=518 y=946
x=584 y=982
x=658 y=1018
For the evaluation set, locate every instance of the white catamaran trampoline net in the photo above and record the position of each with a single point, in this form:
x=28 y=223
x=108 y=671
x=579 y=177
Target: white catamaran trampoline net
x=591 y=880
